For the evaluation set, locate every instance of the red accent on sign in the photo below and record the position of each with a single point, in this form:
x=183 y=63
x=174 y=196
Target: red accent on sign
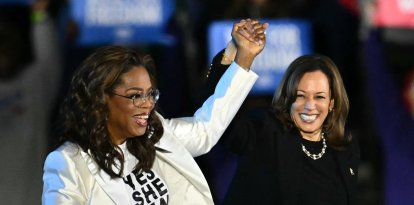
x=395 y=13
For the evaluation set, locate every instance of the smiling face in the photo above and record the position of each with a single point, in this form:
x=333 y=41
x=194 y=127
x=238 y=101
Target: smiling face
x=125 y=119
x=312 y=104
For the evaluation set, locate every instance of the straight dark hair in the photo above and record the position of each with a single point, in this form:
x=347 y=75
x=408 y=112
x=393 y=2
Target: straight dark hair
x=285 y=96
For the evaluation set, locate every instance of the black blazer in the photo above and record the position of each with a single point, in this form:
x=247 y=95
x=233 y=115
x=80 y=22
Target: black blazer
x=268 y=172
x=271 y=157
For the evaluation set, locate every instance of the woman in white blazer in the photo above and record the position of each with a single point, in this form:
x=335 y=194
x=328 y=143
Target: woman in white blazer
x=116 y=149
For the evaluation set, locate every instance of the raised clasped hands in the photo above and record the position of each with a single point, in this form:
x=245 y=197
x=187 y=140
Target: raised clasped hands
x=252 y=30
x=249 y=38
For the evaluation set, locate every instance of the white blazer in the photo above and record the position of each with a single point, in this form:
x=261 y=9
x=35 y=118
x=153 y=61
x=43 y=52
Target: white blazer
x=71 y=176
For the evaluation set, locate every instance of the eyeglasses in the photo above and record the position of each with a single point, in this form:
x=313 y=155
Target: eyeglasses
x=139 y=98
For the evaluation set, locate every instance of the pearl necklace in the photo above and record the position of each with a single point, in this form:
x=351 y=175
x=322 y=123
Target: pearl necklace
x=316 y=156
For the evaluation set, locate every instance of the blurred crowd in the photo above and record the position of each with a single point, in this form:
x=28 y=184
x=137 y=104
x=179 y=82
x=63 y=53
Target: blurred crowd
x=38 y=53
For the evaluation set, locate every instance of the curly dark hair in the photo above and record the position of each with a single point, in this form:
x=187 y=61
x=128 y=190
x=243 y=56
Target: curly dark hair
x=84 y=111
x=285 y=96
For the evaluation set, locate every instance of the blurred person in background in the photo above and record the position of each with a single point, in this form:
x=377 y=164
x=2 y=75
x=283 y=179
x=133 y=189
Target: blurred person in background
x=408 y=92
x=29 y=79
x=388 y=47
x=390 y=89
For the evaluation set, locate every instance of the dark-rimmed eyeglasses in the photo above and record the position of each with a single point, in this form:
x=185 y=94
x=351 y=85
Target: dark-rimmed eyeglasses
x=139 y=98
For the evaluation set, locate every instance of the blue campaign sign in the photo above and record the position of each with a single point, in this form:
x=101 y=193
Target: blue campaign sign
x=16 y=2
x=122 y=21
x=286 y=39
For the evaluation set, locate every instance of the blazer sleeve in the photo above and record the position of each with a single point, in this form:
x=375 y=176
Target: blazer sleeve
x=201 y=132
x=60 y=182
x=240 y=135
x=214 y=73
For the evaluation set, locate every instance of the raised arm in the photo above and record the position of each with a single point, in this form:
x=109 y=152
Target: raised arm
x=199 y=133
x=239 y=134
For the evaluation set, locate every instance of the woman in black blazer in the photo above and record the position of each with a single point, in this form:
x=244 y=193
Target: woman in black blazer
x=300 y=151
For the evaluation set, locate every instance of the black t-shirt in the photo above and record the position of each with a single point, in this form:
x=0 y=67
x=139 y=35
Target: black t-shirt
x=321 y=182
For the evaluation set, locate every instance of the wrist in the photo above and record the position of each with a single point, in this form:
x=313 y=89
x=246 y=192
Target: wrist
x=244 y=60
x=229 y=53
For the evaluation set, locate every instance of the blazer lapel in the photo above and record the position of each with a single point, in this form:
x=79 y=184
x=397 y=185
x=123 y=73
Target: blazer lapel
x=348 y=173
x=110 y=186
x=290 y=163
x=177 y=156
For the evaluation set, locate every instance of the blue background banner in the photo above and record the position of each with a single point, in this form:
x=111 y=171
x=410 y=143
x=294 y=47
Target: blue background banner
x=122 y=22
x=16 y=2
x=287 y=39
